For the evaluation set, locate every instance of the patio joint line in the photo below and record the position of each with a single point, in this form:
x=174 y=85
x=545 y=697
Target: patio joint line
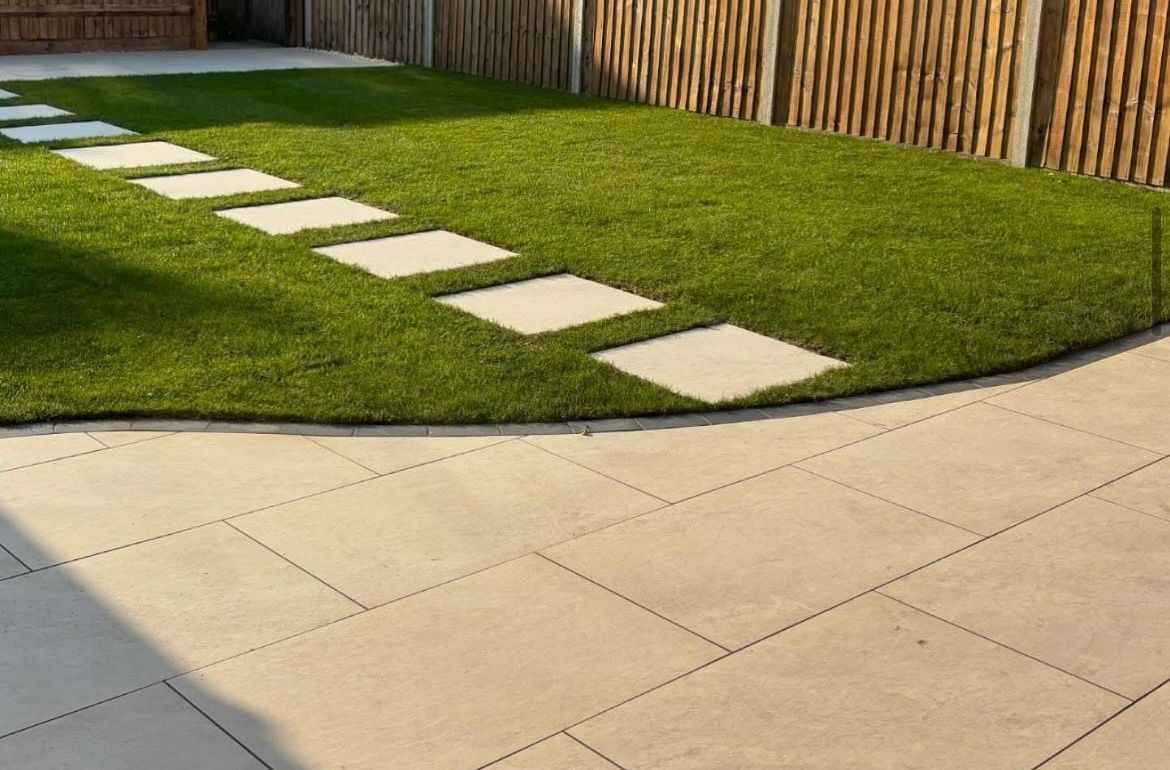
x=1078 y=430
x=220 y=727
x=103 y=448
x=625 y=484
x=575 y=739
x=71 y=712
x=17 y=559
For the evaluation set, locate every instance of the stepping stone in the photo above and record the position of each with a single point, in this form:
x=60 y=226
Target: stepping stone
x=717 y=363
x=414 y=253
x=7 y=94
x=136 y=155
x=292 y=217
x=211 y=184
x=547 y=304
x=30 y=111
x=54 y=132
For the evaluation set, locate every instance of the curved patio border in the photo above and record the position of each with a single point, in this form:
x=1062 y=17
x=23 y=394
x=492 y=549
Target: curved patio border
x=609 y=425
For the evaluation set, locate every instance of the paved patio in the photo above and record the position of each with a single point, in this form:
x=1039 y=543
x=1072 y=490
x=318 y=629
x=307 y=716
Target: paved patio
x=978 y=579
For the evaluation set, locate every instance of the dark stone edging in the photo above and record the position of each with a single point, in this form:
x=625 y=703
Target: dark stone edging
x=612 y=425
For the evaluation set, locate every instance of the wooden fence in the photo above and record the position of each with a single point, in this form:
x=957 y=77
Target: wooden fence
x=46 y=26
x=1076 y=85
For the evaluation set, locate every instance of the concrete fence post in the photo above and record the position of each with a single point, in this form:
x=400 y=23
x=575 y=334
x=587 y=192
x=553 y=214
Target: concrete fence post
x=768 y=56
x=576 y=52
x=1021 y=135
x=428 y=33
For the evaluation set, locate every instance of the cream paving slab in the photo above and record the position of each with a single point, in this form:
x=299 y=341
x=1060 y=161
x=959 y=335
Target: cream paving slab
x=682 y=462
x=115 y=438
x=1147 y=490
x=872 y=684
x=717 y=363
x=402 y=255
x=152 y=729
x=55 y=132
x=751 y=559
x=9 y=566
x=31 y=111
x=7 y=94
x=100 y=627
x=897 y=414
x=133 y=155
x=20 y=451
x=294 y=216
x=980 y=467
x=389 y=537
x=1138 y=739
x=387 y=455
x=453 y=678
x=1159 y=349
x=559 y=752
x=212 y=184
x=547 y=304
x=1076 y=587
x=1125 y=397
x=82 y=505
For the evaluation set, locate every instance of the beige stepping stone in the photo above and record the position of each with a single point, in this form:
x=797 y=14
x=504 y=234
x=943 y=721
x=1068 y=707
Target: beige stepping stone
x=398 y=534
x=8 y=565
x=559 y=752
x=83 y=632
x=152 y=728
x=415 y=253
x=82 y=505
x=1138 y=739
x=1125 y=397
x=20 y=451
x=547 y=304
x=1147 y=490
x=292 y=217
x=758 y=556
x=456 y=677
x=387 y=455
x=683 y=462
x=55 y=132
x=871 y=684
x=980 y=467
x=1076 y=588
x=211 y=184
x=7 y=94
x=717 y=363
x=134 y=155
x=31 y=111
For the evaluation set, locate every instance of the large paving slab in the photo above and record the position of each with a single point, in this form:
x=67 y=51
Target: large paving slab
x=746 y=561
x=20 y=451
x=314 y=213
x=717 y=363
x=387 y=455
x=392 y=536
x=980 y=467
x=9 y=566
x=548 y=304
x=100 y=627
x=31 y=111
x=1147 y=490
x=82 y=505
x=152 y=729
x=1075 y=587
x=1125 y=397
x=559 y=752
x=212 y=184
x=7 y=94
x=682 y=462
x=872 y=684
x=124 y=437
x=1159 y=349
x=55 y=132
x=450 y=679
x=899 y=412
x=1138 y=739
x=402 y=255
x=133 y=155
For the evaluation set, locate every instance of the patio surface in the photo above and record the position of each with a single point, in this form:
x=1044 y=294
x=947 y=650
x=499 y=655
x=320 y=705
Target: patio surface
x=972 y=580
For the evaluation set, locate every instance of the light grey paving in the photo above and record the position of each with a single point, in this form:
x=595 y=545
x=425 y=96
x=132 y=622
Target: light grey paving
x=213 y=184
x=717 y=363
x=54 y=132
x=294 y=216
x=133 y=155
x=414 y=253
x=9 y=566
x=547 y=304
x=31 y=111
x=7 y=94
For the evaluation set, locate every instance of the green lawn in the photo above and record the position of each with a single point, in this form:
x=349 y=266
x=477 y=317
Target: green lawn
x=913 y=266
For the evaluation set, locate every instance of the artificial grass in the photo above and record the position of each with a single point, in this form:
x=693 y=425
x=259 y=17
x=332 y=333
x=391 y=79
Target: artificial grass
x=913 y=266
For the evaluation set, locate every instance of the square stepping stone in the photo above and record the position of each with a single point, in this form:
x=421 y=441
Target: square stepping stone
x=292 y=217
x=55 y=132
x=135 y=155
x=30 y=111
x=7 y=94
x=426 y=252
x=717 y=363
x=547 y=304
x=212 y=184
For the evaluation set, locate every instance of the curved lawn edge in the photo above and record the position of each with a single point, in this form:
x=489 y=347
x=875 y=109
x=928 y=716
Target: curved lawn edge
x=610 y=425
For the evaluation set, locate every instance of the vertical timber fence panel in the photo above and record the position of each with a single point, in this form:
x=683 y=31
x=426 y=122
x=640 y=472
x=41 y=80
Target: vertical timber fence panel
x=528 y=41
